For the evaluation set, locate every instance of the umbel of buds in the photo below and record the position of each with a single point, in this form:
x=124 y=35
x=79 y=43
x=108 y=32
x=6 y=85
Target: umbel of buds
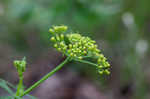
x=20 y=65
x=77 y=46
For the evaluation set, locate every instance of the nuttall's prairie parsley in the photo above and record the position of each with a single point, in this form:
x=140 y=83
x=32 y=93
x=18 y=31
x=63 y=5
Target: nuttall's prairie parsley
x=78 y=47
x=21 y=67
x=74 y=46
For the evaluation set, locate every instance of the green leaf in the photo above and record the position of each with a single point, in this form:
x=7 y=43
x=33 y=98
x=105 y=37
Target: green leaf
x=4 y=85
x=6 y=97
x=12 y=86
x=9 y=97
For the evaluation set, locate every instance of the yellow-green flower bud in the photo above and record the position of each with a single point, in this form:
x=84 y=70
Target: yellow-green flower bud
x=60 y=28
x=57 y=38
x=62 y=43
x=23 y=65
x=53 y=39
x=107 y=72
x=16 y=63
x=62 y=37
x=74 y=55
x=84 y=52
x=59 y=49
x=101 y=72
x=51 y=31
x=101 y=56
x=64 y=48
x=99 y=60
x=71 y=54
x=108 y=65
x=56 y=45
x=80 y=57
x=97 y=50
x=70 y=45
x=20 y=65
x=100 y=67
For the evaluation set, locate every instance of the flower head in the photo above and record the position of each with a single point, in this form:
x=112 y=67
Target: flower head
x=77 y=46
x=20 y=65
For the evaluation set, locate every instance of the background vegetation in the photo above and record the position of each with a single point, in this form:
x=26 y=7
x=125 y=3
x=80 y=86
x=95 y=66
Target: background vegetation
x=120 y=27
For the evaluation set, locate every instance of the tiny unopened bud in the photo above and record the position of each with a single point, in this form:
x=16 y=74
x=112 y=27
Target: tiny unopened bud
x=57 y=38
x=16 y=63
x=53 y=39
x=59 y=49
x=62 y=36
x=107 y=72
x=100 y=67
x=101 y=72
x=80 y=57
x=51 y=31
x=55 y=45
x=20 y=65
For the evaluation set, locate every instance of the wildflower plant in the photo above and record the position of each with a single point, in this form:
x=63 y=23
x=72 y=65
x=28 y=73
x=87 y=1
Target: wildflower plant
x=78 y=47
x=21 y=67
x=72 y=45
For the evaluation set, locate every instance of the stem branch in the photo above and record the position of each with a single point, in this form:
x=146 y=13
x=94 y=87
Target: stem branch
x=87 y=62
x=46 y=77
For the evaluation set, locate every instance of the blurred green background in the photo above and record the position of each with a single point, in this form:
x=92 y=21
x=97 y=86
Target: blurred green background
x=120 y=27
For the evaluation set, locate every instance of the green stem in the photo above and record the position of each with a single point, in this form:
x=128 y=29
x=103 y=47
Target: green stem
x=20 y=86
x=46 y=77
x=87 y=62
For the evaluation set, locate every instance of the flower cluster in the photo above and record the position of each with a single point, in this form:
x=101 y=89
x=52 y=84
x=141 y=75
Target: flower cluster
x=77 y=47
x=20 y=65
x=58 y=38
x=80 y=46
x=103 y=65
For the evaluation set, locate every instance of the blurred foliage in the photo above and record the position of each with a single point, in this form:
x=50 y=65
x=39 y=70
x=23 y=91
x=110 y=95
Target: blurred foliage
x=121 y=28
x=8 y=88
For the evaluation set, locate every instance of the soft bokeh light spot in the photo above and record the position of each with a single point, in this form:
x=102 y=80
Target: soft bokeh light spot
x=141 y=47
